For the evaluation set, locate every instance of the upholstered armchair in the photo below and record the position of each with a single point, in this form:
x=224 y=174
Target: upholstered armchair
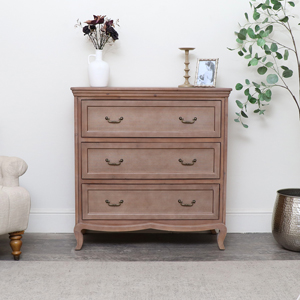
x=14 y=202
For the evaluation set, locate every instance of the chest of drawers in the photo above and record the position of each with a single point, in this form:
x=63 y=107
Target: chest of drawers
x=150 y=158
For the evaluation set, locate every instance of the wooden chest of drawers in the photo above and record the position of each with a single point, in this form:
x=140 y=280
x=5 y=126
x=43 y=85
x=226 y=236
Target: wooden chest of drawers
x=150 y=158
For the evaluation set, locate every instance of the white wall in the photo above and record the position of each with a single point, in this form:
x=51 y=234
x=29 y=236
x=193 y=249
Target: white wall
x=43 y=55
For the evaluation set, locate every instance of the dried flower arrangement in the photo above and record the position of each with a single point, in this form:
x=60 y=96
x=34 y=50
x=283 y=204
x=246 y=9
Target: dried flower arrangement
x=100 y=31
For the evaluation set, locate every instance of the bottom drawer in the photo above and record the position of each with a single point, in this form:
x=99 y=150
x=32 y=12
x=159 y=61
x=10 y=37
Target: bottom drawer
x=197 y=201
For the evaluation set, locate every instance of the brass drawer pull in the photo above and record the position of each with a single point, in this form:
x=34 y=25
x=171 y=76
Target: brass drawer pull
x=187 y=122
x=187 y=164
x=182 y=204
x=114 y=164
x=109 y=121
x=108 y=203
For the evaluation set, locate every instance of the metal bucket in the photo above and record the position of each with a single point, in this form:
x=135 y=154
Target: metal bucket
x=286 y=219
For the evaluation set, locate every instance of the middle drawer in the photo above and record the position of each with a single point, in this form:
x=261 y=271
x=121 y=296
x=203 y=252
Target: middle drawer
x=150 y=160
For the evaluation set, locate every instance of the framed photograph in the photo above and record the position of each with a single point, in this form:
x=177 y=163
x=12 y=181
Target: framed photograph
x=206 y=72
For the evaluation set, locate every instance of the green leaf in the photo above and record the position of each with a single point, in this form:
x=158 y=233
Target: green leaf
x=261 y=42
x=270 y=28
x=284 y=67
x=256 y=84
x=284 y=20
x=274 y=47
x=262 y=70
x=252 y=100
x=265 y=20
x=247 y=92
x=291 y=3
x=240 y=53
x=278 y=55
x=257 y=28
x=245 y=125
x=243 y=114
x=263 y=84
x=236 y=120
x=239 y=104
x=238 y=86
x=247 y=81
x=261 y=112
x=286 y=54
x=261 y=97
x=256 y=15
x=277 y=6
x=241 y=36
x=268 y=93
x=264 y=33
x=251 y=33
x=269 y=64
x=239 y=41
x=243 y=31
x=246 y=16
x=248 y=56
x=264 y=59
x=238 y=114
x=272 y=78
x=287 y=73
x=257 y=111
x=257 y=90
x=230 y=49
x=254 y=62
x=250 y=49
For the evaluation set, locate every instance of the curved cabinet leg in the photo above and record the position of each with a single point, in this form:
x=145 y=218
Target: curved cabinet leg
x=79 y=237
x=221 y=237
x=16 y=243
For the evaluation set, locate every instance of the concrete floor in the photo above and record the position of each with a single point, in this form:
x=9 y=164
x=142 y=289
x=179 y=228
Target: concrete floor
x=141 y=246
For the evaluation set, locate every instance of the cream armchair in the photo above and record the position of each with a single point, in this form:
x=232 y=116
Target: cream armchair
x=14 y=202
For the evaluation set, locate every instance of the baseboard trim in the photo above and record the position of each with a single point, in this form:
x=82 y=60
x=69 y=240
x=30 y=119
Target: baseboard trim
x=246 y=222
x=63 y=221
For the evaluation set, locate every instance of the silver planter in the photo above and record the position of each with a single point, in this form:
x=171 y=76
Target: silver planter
x=286 y=219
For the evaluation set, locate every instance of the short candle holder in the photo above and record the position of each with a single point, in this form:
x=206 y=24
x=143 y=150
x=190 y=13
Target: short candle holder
x=186 y=69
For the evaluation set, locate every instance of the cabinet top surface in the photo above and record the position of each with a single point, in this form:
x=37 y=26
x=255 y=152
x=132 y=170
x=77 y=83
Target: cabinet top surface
x=89 y=91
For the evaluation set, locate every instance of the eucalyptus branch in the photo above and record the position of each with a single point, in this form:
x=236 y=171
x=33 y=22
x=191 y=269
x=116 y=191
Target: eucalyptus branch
x=267 y=16
x=286 y=47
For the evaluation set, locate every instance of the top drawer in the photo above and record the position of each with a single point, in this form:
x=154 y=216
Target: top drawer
x=151 y=118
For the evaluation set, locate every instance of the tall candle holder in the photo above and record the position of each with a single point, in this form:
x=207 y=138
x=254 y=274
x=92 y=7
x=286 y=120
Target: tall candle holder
x=186 y=69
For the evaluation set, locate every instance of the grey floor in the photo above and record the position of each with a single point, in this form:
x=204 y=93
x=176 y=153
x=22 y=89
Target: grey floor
x=147 y=247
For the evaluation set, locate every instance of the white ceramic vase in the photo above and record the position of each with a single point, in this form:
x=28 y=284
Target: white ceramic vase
x=98 y=70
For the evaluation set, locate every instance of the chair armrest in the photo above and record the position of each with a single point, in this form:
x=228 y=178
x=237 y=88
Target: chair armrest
x=12 y=169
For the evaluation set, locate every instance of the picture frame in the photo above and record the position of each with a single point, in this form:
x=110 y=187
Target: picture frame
x=206 y=72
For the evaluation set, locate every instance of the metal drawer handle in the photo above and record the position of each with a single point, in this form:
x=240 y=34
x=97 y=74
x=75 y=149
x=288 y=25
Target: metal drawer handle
x=187 y=122
x=182 y=204
x=109 y=121
x=187 y=164
x=114 y=164
x=108 y=203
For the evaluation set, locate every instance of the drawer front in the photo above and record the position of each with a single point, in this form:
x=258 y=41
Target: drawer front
x=150 y=160
x=151 y=118
x=150 y=201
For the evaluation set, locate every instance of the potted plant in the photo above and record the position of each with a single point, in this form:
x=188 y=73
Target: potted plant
x=260 y=45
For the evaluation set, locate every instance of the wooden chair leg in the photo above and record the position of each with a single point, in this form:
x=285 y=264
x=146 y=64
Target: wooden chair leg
x=16 y=243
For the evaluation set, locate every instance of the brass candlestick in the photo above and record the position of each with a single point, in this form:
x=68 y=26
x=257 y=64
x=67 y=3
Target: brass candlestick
x=186 y=69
